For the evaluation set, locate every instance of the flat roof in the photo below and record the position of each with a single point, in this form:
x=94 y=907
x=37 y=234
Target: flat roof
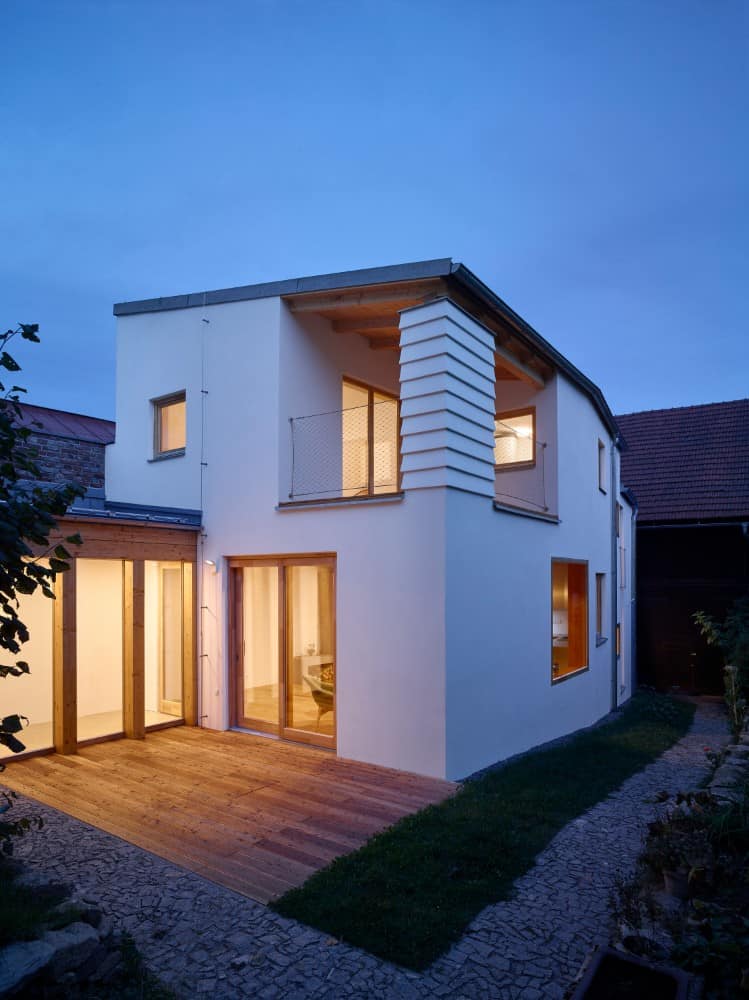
x=441 y=267
x=415 y=271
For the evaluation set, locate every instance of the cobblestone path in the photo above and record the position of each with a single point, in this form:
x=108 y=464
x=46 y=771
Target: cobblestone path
x=201 y=939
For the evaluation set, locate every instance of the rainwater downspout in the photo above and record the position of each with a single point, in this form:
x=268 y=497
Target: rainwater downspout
x=633 y=591
x=614 y=575
x=200 y=569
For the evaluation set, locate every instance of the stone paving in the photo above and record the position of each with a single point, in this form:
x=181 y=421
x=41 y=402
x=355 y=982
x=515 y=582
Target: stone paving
x=204 y=940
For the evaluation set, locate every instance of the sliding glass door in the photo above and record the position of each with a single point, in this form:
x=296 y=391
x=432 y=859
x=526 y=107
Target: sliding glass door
x=283 y=647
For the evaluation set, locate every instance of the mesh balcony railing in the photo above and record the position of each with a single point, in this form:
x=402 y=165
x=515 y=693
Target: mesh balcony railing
x=346 y=453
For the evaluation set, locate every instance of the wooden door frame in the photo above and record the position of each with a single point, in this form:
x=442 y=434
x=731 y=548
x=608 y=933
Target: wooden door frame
x=236 y=626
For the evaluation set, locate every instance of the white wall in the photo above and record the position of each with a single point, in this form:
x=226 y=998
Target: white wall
x=500 y=699
x=99 y=635
x=263 y=364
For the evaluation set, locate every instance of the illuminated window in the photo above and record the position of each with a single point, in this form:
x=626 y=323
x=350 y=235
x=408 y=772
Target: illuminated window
x=170 y=425
x=569 y=618
x=515 y=439
x=370 y=440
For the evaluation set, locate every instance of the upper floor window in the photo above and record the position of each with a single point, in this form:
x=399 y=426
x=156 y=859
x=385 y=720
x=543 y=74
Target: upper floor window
x=515 y=439
x=169 y=425
x=601 y=466
x=370 y=440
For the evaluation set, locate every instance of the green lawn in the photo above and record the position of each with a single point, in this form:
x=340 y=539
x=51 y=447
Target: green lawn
x=410 y=892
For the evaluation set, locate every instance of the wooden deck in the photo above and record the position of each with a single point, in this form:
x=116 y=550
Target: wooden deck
x=258 y=816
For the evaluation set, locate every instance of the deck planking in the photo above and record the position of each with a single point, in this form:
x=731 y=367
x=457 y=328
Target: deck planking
x=257 y=816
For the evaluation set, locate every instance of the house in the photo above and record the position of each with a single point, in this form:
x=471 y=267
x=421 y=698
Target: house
x=413 y=550
x=689 y=468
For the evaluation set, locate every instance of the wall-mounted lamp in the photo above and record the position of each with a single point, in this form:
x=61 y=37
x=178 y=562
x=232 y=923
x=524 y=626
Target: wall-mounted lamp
x=209 y=562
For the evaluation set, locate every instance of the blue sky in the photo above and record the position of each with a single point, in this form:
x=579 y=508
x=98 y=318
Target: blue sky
x=589 y=161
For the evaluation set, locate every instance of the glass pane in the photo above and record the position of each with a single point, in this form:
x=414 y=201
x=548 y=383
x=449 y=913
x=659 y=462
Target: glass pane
x=386 y=443
x=163 y=641
x=31 y=694
x=173 y=425
x=99 y=647
x=310 y=676
x=354 y=451
x=513 y=439
x=569 y=603
x=260 y=697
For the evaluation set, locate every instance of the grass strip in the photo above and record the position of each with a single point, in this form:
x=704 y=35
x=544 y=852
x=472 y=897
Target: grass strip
x=411 y=891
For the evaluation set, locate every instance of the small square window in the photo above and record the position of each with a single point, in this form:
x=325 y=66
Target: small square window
x=170 y=425
x=515 y=439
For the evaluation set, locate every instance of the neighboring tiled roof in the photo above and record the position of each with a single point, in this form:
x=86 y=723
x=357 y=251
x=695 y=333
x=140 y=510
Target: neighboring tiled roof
x=60 y=423
x=690 y=463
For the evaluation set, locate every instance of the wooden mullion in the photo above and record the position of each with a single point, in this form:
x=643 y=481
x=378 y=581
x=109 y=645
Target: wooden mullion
x=189 y=644
x=370 y=442
x=64 y=658
x=133 y=649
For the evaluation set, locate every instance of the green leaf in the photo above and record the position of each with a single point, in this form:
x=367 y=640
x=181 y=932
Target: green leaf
x=29 y=331
x=9 y=363
x=57 y=565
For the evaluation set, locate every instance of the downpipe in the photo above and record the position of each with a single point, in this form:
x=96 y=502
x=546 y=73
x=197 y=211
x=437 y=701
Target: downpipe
x=614 y=575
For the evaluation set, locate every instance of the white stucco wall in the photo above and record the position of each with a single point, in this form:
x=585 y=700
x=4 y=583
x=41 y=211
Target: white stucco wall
x=500 y=699
x=262 y=365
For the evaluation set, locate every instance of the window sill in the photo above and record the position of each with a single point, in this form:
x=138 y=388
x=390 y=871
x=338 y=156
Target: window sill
x=601 y=639
x=538 y=515
x=379 y=498
x=165 y=456
x=566 y=677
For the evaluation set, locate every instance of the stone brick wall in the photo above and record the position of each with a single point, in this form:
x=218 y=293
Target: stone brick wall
x=68 y=460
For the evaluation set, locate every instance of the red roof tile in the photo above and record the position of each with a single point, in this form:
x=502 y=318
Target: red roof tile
x=689 y=463
x=60 y=423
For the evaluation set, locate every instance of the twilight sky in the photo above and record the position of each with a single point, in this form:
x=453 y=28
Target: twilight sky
x=588 y=161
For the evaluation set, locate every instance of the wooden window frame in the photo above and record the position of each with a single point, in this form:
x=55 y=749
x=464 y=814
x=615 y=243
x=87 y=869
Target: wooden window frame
x=158 y=404
x=586 y=668
x=523 y=411
x=282 y=561
x=371 y=390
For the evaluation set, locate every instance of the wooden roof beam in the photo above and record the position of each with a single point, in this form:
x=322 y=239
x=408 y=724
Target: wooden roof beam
x=518 y=368
x=384 y=345
x=363 y=323
x=413 y=291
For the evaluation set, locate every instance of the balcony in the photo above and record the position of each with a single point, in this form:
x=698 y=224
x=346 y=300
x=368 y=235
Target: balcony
x=347 y=454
